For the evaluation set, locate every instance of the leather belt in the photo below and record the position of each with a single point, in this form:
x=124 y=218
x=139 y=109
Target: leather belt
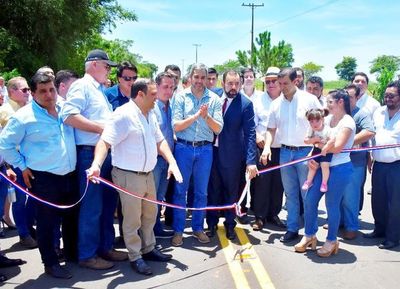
x=293 y=148
x=194 y=143
x=135 y=172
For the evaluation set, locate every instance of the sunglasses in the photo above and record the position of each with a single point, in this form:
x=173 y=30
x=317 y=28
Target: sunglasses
x=25 y=90
x=271 y=81
x=129 y=78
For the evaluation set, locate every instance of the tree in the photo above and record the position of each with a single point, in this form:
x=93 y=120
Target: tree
x=310 y=69
x=388 y=62
x=384 y=78
x=266 y=55
x=49 y=32
x=346 y=69
x=227 y=65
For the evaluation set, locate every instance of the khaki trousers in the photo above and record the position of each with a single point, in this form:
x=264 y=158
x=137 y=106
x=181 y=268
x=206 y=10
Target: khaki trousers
x=139 y=215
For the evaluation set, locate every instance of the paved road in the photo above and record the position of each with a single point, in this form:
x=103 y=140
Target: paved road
x=255 y=260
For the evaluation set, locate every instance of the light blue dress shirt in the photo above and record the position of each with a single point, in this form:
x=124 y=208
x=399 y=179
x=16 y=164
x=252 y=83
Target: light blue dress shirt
x=186 y=105
x=86 y=97
x=37 y=140
x=164 y=117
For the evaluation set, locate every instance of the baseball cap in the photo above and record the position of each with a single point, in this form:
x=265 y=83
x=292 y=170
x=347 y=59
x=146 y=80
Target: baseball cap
x=98 y=54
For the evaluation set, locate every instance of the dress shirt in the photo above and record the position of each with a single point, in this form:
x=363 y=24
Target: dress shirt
x=289 y=117
x=262 y=105
x=7 y=110
x=256 y=94
x=115 y=96
x=164 y=117
x=187 y=105
x=45 y=142
x=86 y=97
x=368 y=103
x=133 y=138
x=387 y=132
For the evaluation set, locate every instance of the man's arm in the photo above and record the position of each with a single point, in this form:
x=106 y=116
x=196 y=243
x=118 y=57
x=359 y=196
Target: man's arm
x=269 y=139
x=100 y=154
x=80 y=122
x=164 y=150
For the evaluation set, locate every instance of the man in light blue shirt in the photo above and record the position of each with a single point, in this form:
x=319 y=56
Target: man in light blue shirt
x=196 y=117
x=41 y=138
x=87 y=110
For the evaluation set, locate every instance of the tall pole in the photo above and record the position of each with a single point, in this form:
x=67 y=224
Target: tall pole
x=252 y=5
x=196 y=45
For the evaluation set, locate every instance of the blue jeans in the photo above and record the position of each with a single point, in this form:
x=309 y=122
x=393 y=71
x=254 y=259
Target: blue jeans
x=194 y=161
x=339 y=178
x=293 y=178
x=3 y=192
x=160 y=173
x=96 y=215
x=351 y=199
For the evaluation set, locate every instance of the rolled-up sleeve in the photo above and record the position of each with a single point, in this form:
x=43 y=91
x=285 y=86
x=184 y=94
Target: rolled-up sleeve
x=10 y=139
x=76 y=101
x=217 y=112
x=178 y=109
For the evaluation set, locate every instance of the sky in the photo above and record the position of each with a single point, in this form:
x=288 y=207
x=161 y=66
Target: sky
x=319 y=31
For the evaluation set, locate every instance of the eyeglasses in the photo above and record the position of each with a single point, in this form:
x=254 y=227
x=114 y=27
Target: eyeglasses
x=271 y=81
x=390 y=95
x=129 y=78
x=106 y=66
x=25 y=89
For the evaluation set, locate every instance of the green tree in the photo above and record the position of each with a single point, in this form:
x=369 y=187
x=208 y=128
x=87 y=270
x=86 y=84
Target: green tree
x=266 y=54
x=382 y=62
x=34 y=33
x=310 y=69
x=227 y=65
x=386 y=75
x=346 y=69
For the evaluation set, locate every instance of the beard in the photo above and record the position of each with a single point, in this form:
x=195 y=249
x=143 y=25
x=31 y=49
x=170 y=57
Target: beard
x=231 y=93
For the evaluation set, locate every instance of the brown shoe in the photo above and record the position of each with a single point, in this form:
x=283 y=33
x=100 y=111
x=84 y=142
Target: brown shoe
x=258 y=225
x=202 y=237
x=28 y=242
x=177 y=240
x=350 y=235
x=114 y=255
x=96 y=263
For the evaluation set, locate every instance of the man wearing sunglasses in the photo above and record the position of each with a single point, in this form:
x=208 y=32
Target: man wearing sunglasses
x=120 y=93
x=87 y=110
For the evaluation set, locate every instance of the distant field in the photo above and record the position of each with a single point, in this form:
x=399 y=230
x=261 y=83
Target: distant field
x=334 y=84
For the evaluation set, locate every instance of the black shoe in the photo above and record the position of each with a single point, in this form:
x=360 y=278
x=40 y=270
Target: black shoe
x=230 y=233
x=277 y=222
x=212 y=231
x=388 y=244
x=156 y=255
x=164 y=234
x=3 y=278
x=244 y=220
x=373 y=235
x=57 y=271
x=6 y=262
x=141 y=267
x=289 y=236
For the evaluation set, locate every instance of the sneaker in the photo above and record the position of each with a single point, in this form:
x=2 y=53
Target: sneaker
x=96 y=263
x=57 y=271
x=164 y=234
x=307 y=184
x=202 y=237
x=114 y=255
x=177 y=240
x=28 y=242
x=323 y=188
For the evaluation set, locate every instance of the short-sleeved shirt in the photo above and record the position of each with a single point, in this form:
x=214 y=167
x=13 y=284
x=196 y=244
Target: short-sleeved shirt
x=363 y=121
x=133 y=138
x=324 y=134
x=387 y=133
x=368 y=103
x=289 y=117
x=186 y=105
x=86 y=97
x=346 y=122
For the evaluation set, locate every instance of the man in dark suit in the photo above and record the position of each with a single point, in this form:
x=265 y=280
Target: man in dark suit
x=234 y=152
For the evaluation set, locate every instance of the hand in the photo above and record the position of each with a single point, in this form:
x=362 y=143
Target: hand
x=11 y=174
x=260 y=141
x=324 y=151
x=265 y=156
x=313 y=165
x=174 y=170
x=204 y=111
x=252 y=171
x=94 y=171
x=27 y=176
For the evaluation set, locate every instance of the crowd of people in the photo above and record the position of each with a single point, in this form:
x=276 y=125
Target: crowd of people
x=189 y=143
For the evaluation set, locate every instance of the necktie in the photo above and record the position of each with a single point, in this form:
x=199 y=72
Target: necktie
x=224 y=106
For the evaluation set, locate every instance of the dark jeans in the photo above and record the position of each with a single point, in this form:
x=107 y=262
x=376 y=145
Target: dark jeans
x=386 y=199
x=267 y=189
x=61 y=190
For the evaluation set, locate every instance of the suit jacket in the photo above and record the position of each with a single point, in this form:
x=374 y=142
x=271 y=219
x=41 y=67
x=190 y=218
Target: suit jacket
x=237 y=140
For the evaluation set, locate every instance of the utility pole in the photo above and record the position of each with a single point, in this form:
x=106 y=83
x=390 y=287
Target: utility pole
x=252 y=5
x=196 y=45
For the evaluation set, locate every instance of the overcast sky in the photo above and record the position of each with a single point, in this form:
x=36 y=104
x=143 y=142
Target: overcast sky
x=319 y=31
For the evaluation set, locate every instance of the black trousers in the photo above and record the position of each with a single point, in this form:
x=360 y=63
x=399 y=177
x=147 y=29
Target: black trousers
x=267 y=189
x=386 y=199
x=62 y=190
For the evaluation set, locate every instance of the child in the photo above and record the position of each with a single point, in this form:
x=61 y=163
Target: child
x=319 y=136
